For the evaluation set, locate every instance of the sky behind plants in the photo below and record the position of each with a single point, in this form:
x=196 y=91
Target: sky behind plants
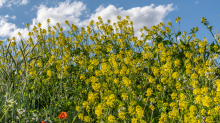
x=14 y=14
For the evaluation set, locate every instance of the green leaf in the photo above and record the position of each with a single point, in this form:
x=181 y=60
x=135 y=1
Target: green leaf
x=178 y=33
x=210 y=28
x=154 y=53
x=212 y=47
x=146 y=37
x=159 y=39
x=182 y=43
x=137 y=55
x=171 y=34
x=166 y=42
x=192 y=31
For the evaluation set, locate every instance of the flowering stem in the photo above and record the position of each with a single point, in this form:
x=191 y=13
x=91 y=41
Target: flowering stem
x=151 y=116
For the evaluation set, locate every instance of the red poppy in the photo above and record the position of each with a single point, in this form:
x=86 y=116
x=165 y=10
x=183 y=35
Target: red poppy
x=63 y=115
x=43 y=122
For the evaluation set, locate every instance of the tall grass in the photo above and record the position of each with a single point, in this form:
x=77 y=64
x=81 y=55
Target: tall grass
x=64 y=79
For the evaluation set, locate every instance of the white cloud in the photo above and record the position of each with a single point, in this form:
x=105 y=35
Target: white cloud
x=64 y=11
x=6 y=16
x=2 y=2
x=196 y=2
x=9 y=6
x=13 y=17
x=24 y=2
x=13 y=2
x=141 y=16
x=5 y=28
x=10 y=2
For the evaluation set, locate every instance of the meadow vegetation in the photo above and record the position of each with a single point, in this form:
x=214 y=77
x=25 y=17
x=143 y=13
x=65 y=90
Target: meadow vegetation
x=65 y=79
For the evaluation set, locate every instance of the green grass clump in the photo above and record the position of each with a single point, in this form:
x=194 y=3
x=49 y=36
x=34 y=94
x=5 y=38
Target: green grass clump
x=67 y=80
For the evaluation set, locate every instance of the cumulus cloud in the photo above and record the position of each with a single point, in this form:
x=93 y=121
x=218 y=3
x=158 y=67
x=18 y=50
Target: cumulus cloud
x=65 y=11
x=141 y=16
x=6 y=28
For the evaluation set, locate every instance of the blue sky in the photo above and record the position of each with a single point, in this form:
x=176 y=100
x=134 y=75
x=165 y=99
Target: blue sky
x=14 y=14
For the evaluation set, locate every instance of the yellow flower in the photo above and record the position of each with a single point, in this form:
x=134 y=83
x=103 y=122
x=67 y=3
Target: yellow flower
x=140 y=111
x=66 y=22
x=173 y=113
x=128 y=17
x=80 y=116
x=91 y=22
x=209 y=119
x=182 y=105
x=196 y=91
x=33 y=73
x=182 y=96
x=159 y=87
x=143 y=121
x=163 y=118
x=118 y=17
x=13 y=44
x=152 y=80
x=174 y=96
x=203 y=20
x=131 y=110
x=27 y=25
x=169 y=23
x=152 y=107
x=198 y=99
x=203 y=111
x=173 y=104
x=48 y=21
x=124 y=96
x=1 y=42
x=39 y=24
x=204 y=90
x=121 y=115
x=206 y=101
x=149 y=92
x=178 y=86
x=49 y=73
x=87 y=119
x=217 y=109
x=111 y=118
x=77 y=108
x=175 y=75
x=152 y=100
x=177 y=62
x=178 y=19
x=134 y=120
x=193 y=109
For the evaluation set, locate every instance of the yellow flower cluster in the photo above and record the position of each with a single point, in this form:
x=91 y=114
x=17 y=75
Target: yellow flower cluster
x=118 y=84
